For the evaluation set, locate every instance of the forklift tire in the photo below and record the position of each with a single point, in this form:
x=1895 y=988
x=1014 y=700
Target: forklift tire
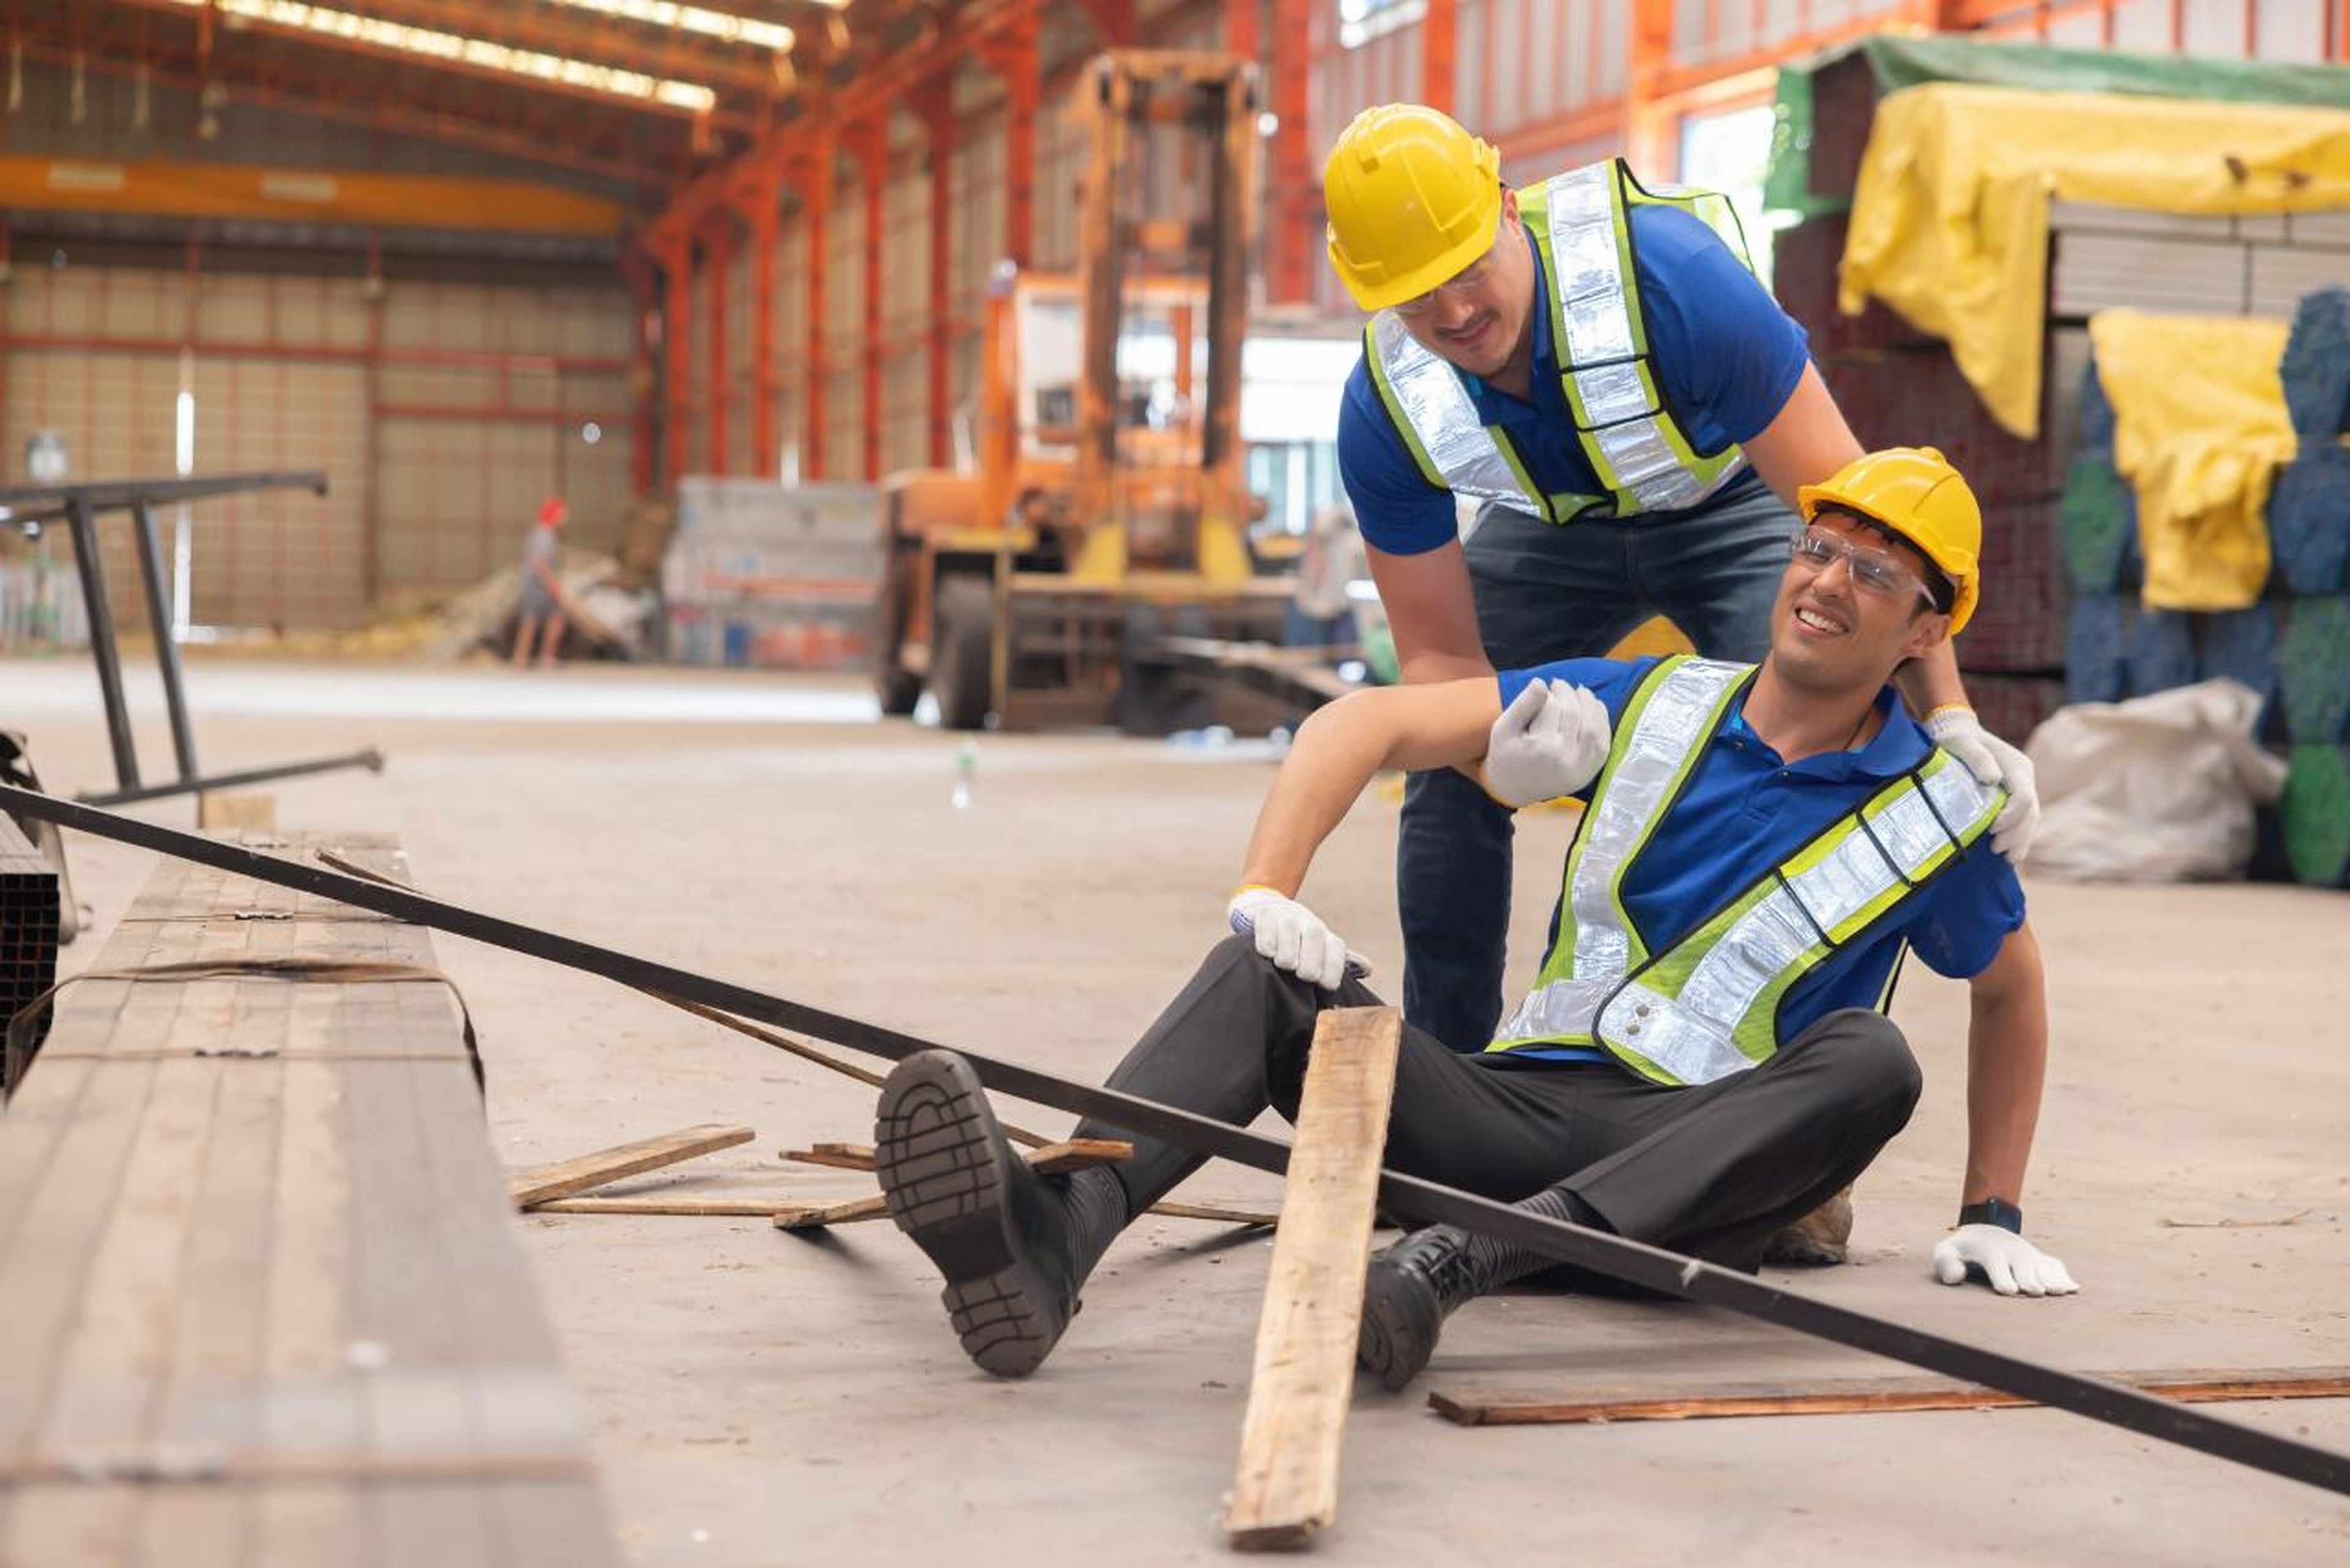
x=962 y=640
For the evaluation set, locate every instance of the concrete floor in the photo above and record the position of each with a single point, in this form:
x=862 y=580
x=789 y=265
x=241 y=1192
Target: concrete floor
x=758 y=1398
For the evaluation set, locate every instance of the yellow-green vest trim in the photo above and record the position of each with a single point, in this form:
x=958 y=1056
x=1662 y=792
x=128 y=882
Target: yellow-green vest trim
x=1708 y=1005
x=1579 y=223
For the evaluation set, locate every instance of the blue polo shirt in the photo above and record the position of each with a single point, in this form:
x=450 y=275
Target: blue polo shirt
x=1744 y=811
x=1725 y=356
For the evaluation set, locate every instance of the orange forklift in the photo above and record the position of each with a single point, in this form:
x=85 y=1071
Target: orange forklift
x=1108 y=507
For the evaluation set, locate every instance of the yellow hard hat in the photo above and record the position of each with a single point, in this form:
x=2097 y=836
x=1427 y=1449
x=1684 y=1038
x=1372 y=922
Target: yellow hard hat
x=1915 y=491
x=1412 y=200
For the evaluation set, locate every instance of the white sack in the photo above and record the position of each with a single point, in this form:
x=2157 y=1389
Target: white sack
x=2156 y=789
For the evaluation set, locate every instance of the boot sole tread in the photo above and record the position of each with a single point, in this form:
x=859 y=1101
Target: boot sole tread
x=936 y=1154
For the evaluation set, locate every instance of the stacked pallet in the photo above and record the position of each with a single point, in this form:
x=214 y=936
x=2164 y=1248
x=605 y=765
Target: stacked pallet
x=773 y=576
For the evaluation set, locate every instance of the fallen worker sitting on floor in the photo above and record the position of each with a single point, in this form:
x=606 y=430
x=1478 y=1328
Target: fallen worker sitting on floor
x=1704 y=1056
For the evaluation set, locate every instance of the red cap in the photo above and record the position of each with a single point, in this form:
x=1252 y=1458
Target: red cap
x=552 y=510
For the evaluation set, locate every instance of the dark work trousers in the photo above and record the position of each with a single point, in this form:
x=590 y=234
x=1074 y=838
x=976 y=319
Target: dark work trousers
x=1710 y=1170
x=1546 y=591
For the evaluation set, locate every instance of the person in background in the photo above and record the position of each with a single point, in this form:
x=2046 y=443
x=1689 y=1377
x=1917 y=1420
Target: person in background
x=1320 y=615
x=541 y=614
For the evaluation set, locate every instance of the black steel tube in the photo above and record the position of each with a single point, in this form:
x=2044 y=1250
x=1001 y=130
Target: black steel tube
x=167 y=648
x=78 y=513
x=37 y=502
x=1613 y=1255
x=369 y=759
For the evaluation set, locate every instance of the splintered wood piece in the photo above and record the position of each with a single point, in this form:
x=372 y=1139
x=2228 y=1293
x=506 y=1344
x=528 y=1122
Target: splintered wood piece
x=840 y=1156
x=817 y=1216
x=758 y=1208
x=1077 y=1153
x=1286 y=1486
x=1217 y=1212
x=1873 y=1396
x=565 y=1177
x=221 y=809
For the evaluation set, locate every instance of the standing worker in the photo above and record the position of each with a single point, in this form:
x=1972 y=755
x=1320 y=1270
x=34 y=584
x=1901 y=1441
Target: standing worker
x=542 y=592
x=1597 y=367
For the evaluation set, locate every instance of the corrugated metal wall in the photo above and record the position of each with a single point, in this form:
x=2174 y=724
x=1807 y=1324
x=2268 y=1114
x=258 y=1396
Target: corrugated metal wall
x=478 y=421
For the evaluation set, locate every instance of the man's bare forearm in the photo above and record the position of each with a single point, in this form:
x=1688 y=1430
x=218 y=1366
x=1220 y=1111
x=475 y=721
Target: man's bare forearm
x=1341 y=748
x=2007 y=1065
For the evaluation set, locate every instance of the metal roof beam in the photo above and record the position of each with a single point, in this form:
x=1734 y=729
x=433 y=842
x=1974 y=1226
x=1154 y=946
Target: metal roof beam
x=520 y=81
x=250 y=82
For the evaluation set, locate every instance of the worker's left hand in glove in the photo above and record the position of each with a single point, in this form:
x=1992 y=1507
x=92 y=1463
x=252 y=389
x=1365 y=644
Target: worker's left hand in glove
x=1292 y=936
x=2002 y=1259
x=1992 y=762
x=1550 y=741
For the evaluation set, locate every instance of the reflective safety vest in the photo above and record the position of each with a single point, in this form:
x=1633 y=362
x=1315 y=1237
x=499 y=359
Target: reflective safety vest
x=1708 y=1004
x=1579 y=222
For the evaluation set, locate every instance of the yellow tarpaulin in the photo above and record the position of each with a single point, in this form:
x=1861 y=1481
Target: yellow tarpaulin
x=2200 y=425
x=1949 y=221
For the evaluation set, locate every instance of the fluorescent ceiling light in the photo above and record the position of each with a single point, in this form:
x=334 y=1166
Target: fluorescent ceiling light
x=455 y=48
x=720 y=24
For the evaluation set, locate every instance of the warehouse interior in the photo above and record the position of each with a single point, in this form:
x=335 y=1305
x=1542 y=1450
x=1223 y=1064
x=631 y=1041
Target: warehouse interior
x=578 y=578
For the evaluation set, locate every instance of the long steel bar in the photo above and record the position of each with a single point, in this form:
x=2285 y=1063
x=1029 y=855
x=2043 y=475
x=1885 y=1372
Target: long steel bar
x=38 y=502
x=1616 y=1256
x=81 y=513
x=167 y=648
x=369 y=758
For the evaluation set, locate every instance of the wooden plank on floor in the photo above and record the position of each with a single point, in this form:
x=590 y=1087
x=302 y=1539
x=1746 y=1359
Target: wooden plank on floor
x=818 y=1216
x=1078 y=1154
x=220 y=810
x=1870 y=1396
x=567 y=1178
x=682 y=1208
x=264 y=1299
x=1285 y=1488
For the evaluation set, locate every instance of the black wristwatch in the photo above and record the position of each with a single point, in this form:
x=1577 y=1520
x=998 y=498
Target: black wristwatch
x=1996 y=1212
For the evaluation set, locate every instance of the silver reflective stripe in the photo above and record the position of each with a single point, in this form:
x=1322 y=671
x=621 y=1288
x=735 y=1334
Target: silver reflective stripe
x=1430 y=392
x=1595 y=309
x=1692 y=1036
x=1672 y=725
x=1585 y=254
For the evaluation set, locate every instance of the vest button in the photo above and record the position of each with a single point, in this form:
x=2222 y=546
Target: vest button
x=1642 y=1010
x=1632 y=1029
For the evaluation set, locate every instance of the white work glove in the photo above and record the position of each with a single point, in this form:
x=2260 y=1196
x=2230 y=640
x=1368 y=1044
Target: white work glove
x=1992 y=762
x=2010 y=1264
x=1550 y=741
x=1292 y=937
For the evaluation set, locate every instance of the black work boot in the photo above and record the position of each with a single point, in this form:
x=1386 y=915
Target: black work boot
x=1412 y=1287
x=1013 y=1246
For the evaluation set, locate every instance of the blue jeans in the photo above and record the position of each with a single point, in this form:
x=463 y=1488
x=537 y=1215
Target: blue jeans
x=1547 y=592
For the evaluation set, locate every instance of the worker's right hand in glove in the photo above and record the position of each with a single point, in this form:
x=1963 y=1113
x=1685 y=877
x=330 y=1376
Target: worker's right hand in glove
x=1550 y=741
x=1292 y=936
x=2002 y=1259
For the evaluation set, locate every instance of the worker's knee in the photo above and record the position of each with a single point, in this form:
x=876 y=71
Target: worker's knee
x=1867 y=1061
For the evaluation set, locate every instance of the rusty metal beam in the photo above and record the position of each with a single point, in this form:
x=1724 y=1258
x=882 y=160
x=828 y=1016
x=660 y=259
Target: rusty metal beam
x=933 y=104
x=586 y=35
x=717 y=257
x=193 y=189
x=249 y=82
x=331 y=43
x=813 y=173
x=1012 y=55
x=676 y=262
x=1440 y=53
x=869 y=146
x=1296 y=196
